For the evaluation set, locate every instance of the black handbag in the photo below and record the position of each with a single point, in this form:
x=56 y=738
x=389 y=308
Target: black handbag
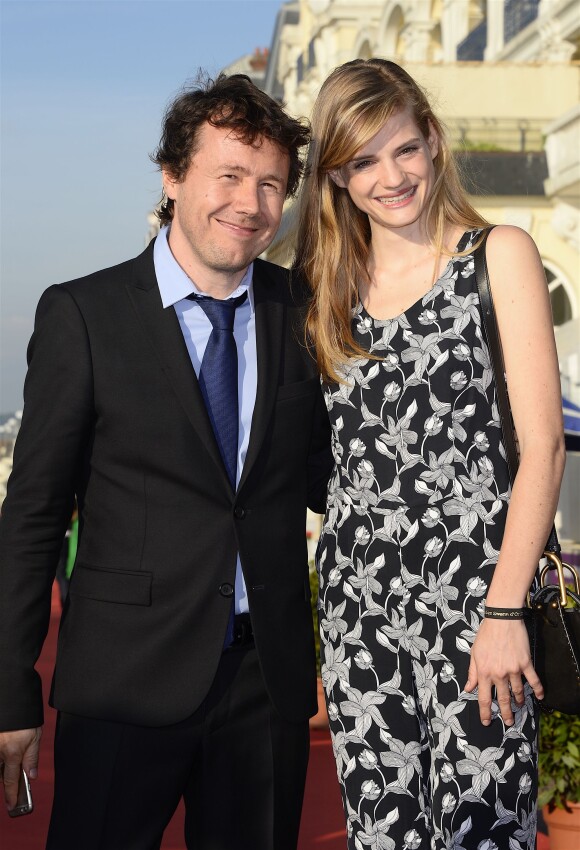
x=554 y=617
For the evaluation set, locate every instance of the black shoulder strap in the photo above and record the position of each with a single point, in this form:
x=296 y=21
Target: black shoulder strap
x=491 y=331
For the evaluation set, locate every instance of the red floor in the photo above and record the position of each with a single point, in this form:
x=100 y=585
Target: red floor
x=322 y=821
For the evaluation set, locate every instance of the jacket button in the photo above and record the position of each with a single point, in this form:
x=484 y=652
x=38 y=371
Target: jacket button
x=226 y=589
x=239 y=512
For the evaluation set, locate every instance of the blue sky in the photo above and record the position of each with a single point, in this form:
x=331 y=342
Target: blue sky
x=83 y=87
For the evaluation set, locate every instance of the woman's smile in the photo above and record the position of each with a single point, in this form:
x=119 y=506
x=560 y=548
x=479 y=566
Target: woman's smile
x=399 y=198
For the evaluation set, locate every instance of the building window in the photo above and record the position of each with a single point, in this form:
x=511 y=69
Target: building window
x=311 y=54
x=365 y=51
x=393 y=45
x=300 y=68
x=517 y=15
x=472 y=48
x=562 y=296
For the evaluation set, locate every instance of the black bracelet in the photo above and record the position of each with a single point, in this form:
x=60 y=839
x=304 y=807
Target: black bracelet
x=505 y=613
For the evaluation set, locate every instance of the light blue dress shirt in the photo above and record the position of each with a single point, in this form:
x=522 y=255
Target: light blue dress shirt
x=175 y=286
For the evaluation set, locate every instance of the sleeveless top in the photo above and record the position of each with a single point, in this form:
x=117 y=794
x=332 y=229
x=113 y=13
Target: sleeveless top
x=421 y=421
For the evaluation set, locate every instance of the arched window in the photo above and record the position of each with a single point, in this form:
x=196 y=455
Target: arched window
x=435 y=45
x=562 y=297
x=365 y=51
x=393 y=45
x=477 y=12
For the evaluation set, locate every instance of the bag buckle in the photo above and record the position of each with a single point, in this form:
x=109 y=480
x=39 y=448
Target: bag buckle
x=554 y=562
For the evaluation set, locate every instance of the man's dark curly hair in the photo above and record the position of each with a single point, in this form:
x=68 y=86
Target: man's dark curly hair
x=233 y=102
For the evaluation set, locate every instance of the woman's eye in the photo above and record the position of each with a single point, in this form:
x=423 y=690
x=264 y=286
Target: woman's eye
x=409 y=149
x=362 y=163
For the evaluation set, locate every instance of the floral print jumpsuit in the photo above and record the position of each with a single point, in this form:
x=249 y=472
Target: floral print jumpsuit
x=414 y=522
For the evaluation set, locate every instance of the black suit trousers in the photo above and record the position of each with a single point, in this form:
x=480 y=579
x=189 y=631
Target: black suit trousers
x=239 y=766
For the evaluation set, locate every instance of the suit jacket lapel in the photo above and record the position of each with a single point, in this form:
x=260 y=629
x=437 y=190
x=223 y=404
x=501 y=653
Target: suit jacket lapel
x=270 y=318
x=162 y=328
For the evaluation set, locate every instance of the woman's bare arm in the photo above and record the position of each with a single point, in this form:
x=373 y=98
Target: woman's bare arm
x=501 y=653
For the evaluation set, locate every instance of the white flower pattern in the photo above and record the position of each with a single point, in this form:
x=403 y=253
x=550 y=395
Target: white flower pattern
x=415 y=516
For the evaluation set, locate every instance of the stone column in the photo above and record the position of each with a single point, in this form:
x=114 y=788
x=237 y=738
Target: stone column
x=417 y=38
x=454 y=26
x=494 y=29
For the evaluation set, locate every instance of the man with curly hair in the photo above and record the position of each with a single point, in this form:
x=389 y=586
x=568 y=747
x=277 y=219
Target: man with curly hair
x=174 y=397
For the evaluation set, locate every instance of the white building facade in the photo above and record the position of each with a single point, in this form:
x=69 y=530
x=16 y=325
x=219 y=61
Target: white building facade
x=505 y=78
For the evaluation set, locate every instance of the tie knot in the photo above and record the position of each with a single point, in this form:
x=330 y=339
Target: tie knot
x=221 y=313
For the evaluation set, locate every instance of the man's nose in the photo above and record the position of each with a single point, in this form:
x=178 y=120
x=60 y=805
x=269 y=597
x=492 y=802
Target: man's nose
x=248 y=198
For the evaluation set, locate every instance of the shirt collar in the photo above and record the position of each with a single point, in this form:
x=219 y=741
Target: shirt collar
x=175 y=285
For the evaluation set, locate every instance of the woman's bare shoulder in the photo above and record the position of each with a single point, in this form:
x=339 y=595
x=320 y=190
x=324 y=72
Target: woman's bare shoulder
x=508 y=241
x=514 y=262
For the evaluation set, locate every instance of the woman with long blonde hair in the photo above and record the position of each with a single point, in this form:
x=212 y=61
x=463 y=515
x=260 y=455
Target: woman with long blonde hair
x=426 y=553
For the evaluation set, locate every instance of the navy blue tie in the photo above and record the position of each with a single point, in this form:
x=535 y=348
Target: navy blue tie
x=218 y=381
x=218 y=378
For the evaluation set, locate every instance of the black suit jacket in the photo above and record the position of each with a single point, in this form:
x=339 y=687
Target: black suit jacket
x=113 y=412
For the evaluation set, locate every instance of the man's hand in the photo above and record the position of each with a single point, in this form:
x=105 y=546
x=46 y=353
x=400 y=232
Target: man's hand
x=18 y=750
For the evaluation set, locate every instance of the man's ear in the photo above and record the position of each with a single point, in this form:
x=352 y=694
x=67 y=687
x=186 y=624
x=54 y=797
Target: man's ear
x=337 y=178
x=169 y=183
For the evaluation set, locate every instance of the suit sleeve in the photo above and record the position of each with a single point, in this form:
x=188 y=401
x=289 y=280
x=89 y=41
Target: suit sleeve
x=320 y=461
x=55 y=432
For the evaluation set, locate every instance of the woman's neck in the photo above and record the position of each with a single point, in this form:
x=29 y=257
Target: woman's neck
x=402 y=269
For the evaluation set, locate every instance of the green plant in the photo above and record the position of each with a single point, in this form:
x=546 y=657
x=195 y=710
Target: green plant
x=314 y=603
x=468 y=145
x=559 y=760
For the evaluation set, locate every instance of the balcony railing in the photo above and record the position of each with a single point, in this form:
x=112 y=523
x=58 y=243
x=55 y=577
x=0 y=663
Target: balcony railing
x=499 y=134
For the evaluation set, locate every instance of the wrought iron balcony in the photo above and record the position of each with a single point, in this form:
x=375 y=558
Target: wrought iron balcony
x=496 y=134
